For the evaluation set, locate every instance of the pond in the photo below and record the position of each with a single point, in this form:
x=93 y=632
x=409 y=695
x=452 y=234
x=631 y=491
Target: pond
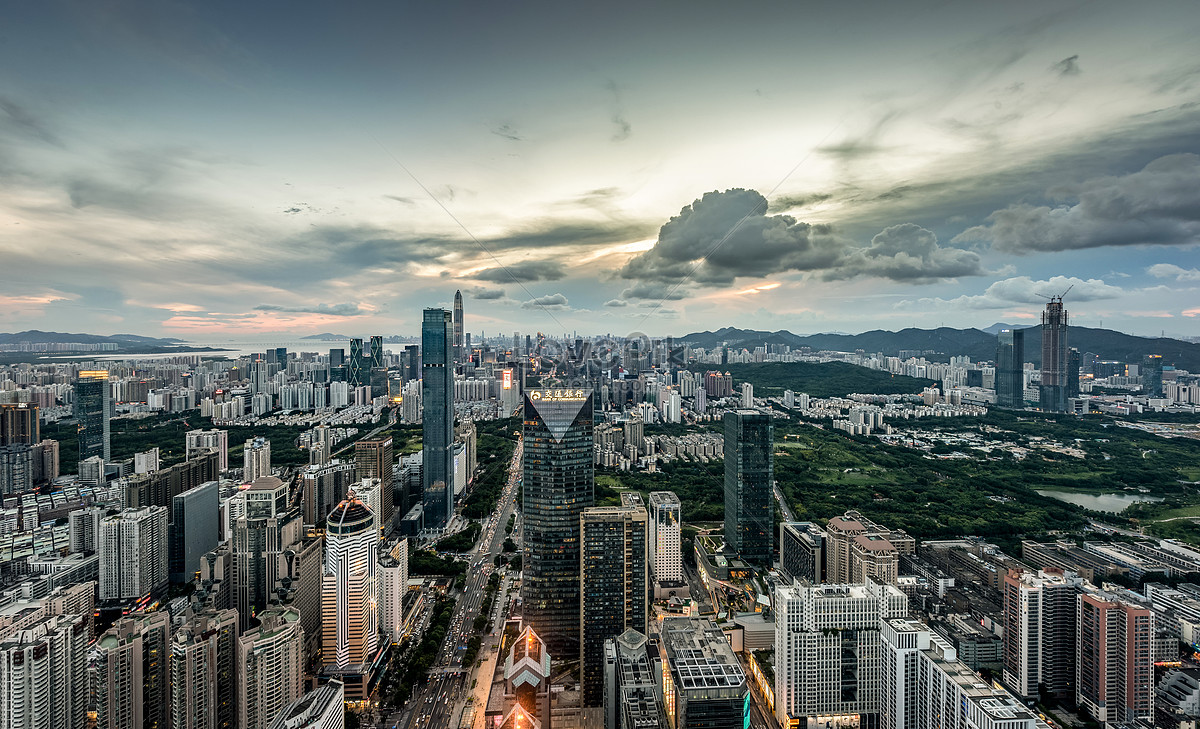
x=1113 y=503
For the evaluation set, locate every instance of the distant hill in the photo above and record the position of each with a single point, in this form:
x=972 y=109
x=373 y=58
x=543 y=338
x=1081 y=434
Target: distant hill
x=820 y=379
x=326 y=336
x=977 y=344
x=34 y=335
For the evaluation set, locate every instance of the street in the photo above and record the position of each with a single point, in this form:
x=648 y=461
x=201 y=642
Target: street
x=440 y=703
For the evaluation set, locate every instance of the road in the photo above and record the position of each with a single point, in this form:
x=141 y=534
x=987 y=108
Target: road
x=439 y=704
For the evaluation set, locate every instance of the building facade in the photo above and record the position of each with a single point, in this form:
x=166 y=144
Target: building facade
x=437 y=428
x=749 y=486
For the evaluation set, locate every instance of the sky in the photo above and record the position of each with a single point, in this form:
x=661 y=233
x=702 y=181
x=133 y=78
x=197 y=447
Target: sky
x=227 y=170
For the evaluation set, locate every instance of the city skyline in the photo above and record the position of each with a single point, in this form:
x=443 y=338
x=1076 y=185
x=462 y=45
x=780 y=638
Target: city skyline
x=842 y=168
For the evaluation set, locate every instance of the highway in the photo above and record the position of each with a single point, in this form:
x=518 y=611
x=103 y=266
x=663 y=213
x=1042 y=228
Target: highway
x=440 y=703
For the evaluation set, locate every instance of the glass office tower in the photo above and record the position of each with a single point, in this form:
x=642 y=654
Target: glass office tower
x=1010 y=368
x=557 y=487
x=92 y=410
x=749 y=480
x=437 y=402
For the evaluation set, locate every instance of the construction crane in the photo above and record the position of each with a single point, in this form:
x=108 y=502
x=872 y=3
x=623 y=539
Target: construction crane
x=1060 y=296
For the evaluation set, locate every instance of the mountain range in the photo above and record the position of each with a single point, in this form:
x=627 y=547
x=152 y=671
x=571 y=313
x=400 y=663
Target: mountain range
x=978 y=344
x=34 y=335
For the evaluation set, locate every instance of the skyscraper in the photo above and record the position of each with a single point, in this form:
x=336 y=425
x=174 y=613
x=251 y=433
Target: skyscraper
x=256 y=459
x=703 y=684
x=1039 y=633
x=128 y=673
x=558 y=485
x=270 y=668
x=197 y=441
x=437 y=400
x=1010 y=368
x=393 y=586
x=267 y=527
x=373 y=459
x=350 y=622
x=459 y=354
x=1152 y=370
x=92 y=410
x=359 y=367
x=44 y=674
x=749 y=483
x=133 y=553
x=613 y=583
x=19 y=423
x=1115 y=668
x=665 y=555
x=802 y=548
x=194 y=529
x=322 y=708
x=203 y=669
x=1055 y=360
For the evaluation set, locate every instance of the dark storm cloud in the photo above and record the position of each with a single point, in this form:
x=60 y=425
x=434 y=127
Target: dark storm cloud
x=780 y=203
x=726 y=235
x=331 y=310
x=552 y=302
x=907 y=253
x=523 y=272
x=1067 y=66
x=485 y=294
x=1158 y=205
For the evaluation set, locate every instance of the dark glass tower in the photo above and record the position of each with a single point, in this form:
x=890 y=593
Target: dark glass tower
x=92 y=410
x=437 y=402
x=557 y=487
x=459 y=354
x=1152 y=369
x=1010 y=368
x=613 y=584
x=359 y=373
x=749 y=480
x=377 y=351
x=1055 y=360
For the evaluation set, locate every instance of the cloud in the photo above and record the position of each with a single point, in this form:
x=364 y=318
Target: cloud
x=508 y=132
x=1067 y=66
x=1170 y=270
x=726 y=235
x=327 y=309
x=1024 y=290
x=622 y=125
x=22 y=120
x=909 y=253
x=552 y=302
x=616 y=303
x=522 y=272
x=1158 y=205
x=485 y=294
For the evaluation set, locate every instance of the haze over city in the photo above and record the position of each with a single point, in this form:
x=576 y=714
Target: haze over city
x=222 y=169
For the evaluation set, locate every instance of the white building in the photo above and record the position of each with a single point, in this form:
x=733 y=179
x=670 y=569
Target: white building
x=218 y=440
x=747 y=396
x=393 y=586
x=828 y=651
x=321 y=708
x=256 y=458
x=146 y=462
x=44 y=674
x=270 y=668
x=133 y=553
x=666 y=558
x=349 y=615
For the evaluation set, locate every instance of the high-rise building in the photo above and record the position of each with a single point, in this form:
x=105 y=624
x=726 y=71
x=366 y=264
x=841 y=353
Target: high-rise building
x=19 y=424
x=373 y=459
x=858 y=548
x=266 y=529
x=749 y=484
x=1039 y=633
x=349 y=591
x=196 y=441
x=270 y=668
x=133 y=553
x=84 y=528
x=1114 y=677
x=703 y=683
x=828 y=649
x=359 y=366
x=393 y=586
x=203 y=667
x=322 y=708
x=195 y=529
x=664 y=542
x=256 y=459
x=159 y=487
x=632 y=665
x=377 y=352
x=1055 y=360
x=16 y=468
x=558 y=485
x=459 y=354
x=1010 y=368
x=925 y=686
x=802 y=547
x=44 y=674
x=92 y=410
x=613 y=583
x=1152 y=379
x=128 y=673
x=437 y=402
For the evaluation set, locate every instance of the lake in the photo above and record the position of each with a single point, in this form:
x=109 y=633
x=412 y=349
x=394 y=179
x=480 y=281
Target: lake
x=1113 y=503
